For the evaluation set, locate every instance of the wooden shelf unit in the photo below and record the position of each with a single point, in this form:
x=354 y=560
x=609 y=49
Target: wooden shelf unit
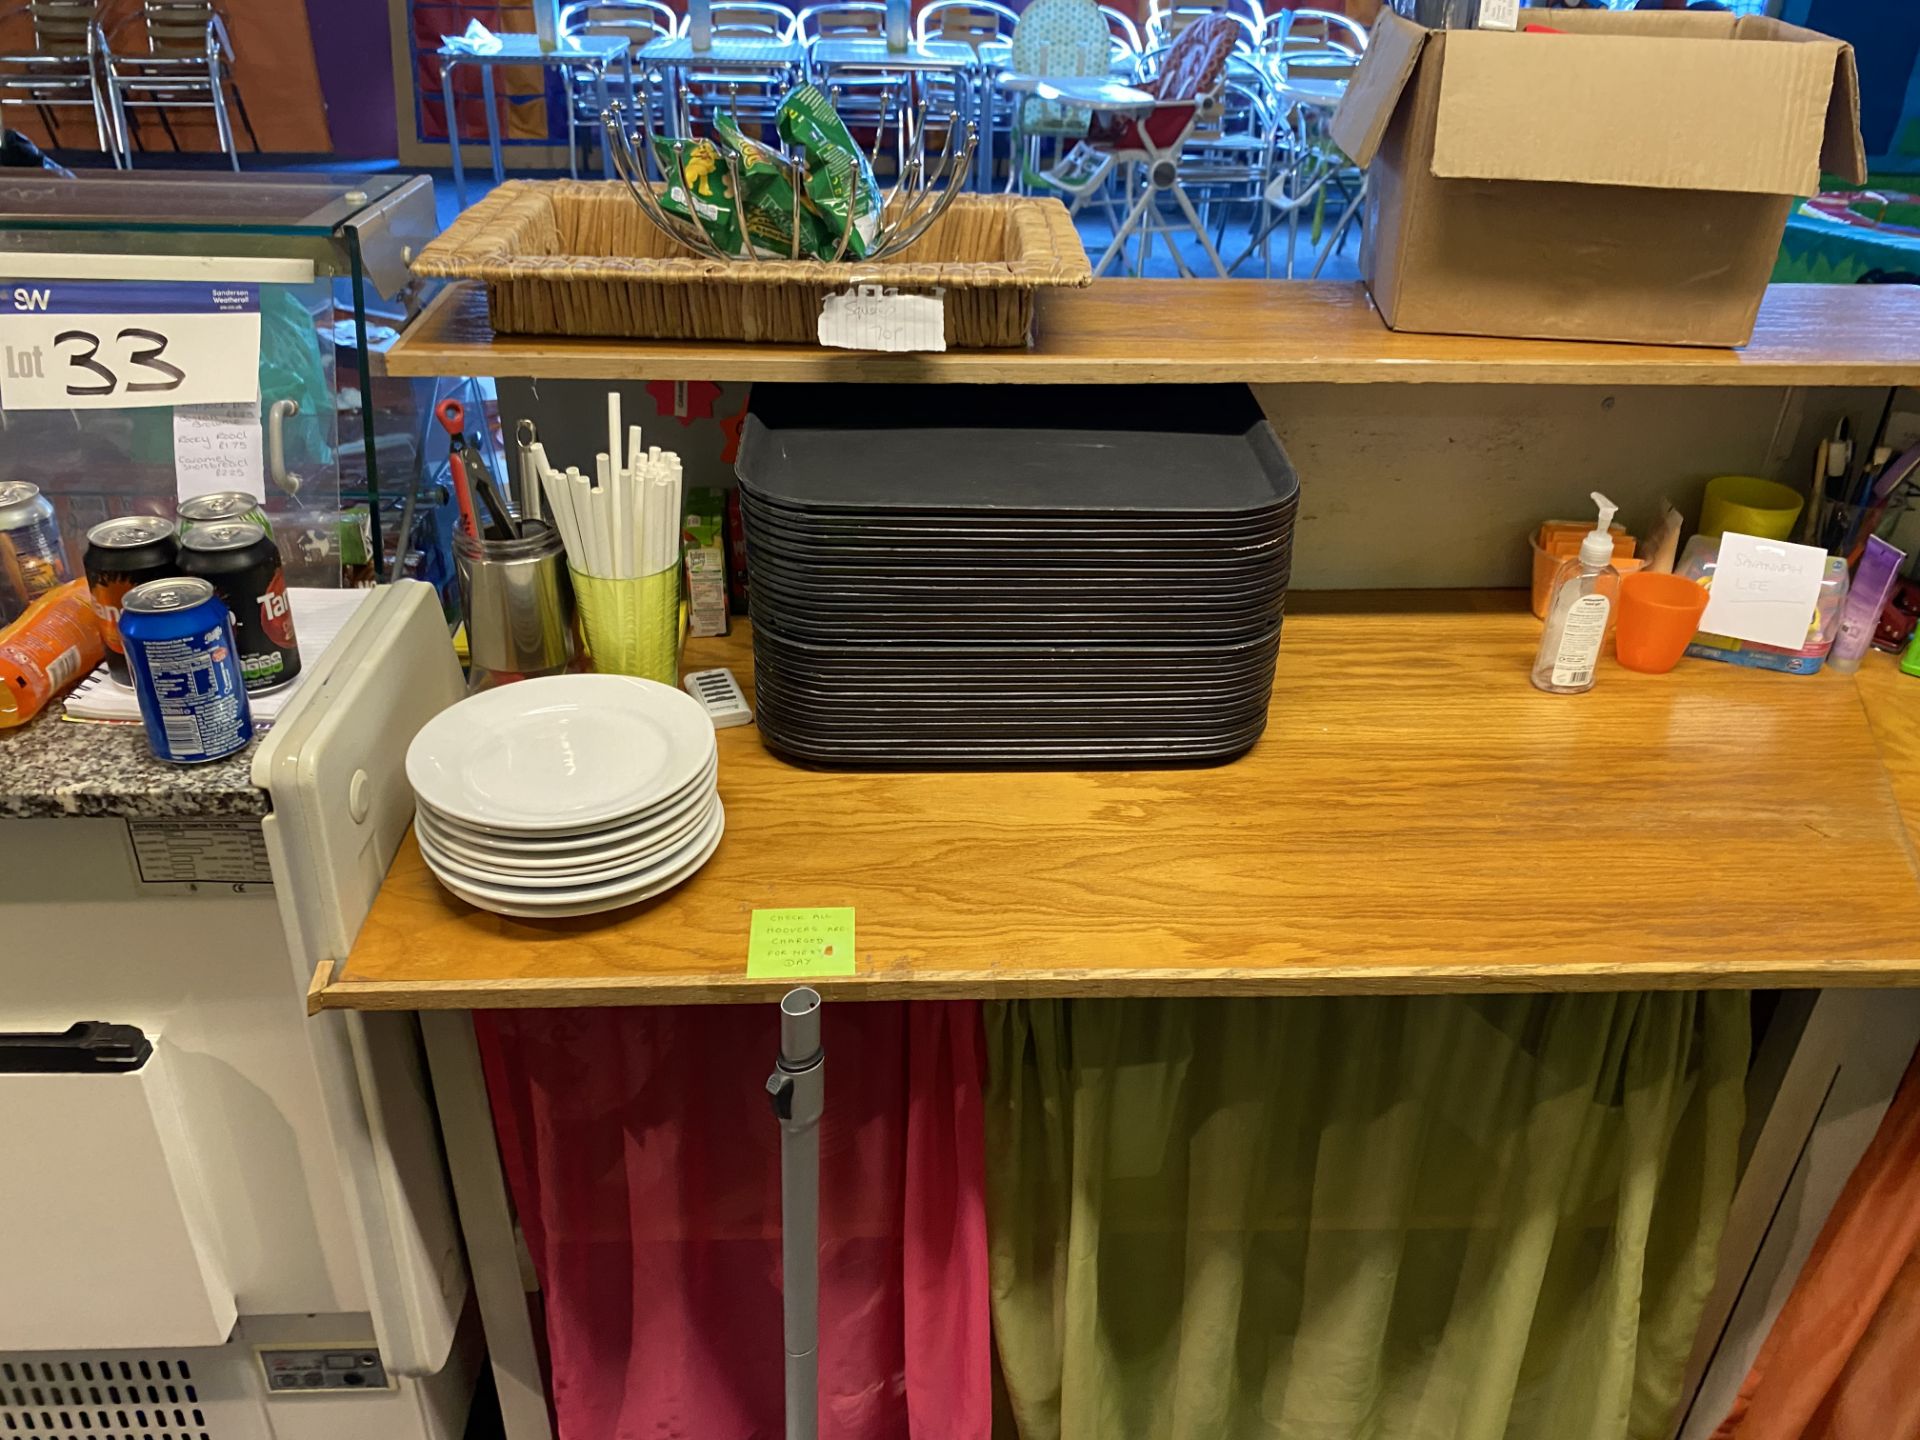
x=1417 y=818
x=1250 y=331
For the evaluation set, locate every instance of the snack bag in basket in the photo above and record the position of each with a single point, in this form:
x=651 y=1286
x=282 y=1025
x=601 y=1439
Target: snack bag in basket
x=769 y=209
x=698 y=190
x=840 y=182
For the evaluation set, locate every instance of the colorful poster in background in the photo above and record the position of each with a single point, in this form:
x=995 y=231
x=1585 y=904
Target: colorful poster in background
x=1841 y=237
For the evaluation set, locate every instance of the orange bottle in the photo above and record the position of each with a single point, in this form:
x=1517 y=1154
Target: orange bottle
x=54 y=643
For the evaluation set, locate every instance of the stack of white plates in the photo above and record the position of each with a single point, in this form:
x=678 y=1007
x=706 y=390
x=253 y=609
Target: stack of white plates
x=566 y=795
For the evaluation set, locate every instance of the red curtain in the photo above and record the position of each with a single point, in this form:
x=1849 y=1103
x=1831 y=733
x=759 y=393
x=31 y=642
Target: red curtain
x=1842 y=1361
x=643 y=1157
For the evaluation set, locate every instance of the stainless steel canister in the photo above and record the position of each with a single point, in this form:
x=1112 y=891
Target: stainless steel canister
x=518 y=601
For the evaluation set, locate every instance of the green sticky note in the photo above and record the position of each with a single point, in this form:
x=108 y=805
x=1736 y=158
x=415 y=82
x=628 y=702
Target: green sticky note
x=794 y=944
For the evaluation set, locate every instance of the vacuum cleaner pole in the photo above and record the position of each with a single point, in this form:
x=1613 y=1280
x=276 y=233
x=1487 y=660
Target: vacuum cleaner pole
x=798 y=1089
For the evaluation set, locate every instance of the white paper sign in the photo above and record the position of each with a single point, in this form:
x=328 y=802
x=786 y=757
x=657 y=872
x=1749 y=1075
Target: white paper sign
x=869 y=317
x=1499 y=15
x=120 y=344
x=1764 y=591
x=217 y=447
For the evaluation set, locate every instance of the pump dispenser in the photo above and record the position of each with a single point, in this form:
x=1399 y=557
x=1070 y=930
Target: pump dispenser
x=1579 y=611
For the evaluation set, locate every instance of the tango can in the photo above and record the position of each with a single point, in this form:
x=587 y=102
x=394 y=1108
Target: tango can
x=32 y=561
x=179 y=646
x=121 y=554
x=222 y=505
x=240 y=560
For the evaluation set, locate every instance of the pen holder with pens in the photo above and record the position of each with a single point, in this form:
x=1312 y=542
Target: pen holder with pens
x=1842 y=528
x=518 y=603
x=632 y=626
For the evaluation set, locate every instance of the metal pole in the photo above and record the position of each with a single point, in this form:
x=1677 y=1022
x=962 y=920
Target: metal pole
x=798 y=1089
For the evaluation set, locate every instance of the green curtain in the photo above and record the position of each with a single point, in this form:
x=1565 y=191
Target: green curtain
x=1423 y=1218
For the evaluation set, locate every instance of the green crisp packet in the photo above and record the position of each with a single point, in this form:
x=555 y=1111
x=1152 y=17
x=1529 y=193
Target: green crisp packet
x=698 y=189
x=768 y=203
x=839 y=179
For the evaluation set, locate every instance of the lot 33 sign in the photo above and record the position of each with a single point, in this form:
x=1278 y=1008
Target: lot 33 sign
x=117 y=344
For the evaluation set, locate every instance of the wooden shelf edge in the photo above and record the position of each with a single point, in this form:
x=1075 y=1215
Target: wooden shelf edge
x=1213 y=331
x=1800 y=974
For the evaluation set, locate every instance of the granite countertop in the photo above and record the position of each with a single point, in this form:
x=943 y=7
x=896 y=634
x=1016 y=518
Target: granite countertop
x=53 y=767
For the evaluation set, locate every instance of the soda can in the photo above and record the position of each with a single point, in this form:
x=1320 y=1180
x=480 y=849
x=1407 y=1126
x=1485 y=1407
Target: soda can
x=222 y=505
x=32 y=560
x=243 y=564
x=121 y=554
x=186 y=671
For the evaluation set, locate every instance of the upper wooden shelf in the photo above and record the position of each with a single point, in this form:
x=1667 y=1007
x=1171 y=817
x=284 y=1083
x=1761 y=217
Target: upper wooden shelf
x=1252 y=331
x=1417 y=818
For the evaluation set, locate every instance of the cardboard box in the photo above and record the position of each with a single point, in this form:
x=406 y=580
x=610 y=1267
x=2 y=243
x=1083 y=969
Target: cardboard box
x=1627 y=180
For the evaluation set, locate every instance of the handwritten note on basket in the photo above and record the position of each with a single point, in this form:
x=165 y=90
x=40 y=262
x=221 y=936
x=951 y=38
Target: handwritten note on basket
x=217 y=447
x=1764 y=590
x=796 y=944
x=875 y=317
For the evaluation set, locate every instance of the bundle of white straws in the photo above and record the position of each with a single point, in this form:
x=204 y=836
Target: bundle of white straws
x=625 y=521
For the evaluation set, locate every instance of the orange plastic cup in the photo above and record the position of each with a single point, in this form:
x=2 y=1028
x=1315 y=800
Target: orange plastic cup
x=1658 y=616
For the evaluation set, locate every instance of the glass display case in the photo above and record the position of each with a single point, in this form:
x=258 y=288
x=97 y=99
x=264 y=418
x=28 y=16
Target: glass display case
x=333 y=443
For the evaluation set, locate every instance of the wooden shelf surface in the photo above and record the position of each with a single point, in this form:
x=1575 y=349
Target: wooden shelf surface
x=1251 y=331
x=1416 y=819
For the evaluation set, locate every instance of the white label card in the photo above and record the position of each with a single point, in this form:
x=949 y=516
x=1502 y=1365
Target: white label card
x=123 y=344
x=1764 y=591
x=217 y=447
x=1499 y=15
x=870 y=317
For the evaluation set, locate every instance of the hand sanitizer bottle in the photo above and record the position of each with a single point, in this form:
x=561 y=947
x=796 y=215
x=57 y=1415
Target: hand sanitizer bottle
x=1579 y=610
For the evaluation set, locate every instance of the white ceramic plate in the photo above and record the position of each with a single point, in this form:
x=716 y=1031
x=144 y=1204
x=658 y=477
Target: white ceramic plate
x=559 y=909
x=641 y=875
x=560 y=753
x=571 y=847
x=570 y=874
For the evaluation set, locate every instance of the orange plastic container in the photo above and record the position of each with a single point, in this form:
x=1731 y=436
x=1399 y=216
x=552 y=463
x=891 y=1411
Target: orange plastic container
x=1558 y=540
x=51 y=645
x=1658 y=617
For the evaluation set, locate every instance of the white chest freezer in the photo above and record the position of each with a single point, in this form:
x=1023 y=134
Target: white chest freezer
x=224 y=1219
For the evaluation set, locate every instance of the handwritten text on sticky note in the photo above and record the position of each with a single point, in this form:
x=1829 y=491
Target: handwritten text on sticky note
x=1764 y=591
x=794 y=944
x=217 y=447
x=871 y=317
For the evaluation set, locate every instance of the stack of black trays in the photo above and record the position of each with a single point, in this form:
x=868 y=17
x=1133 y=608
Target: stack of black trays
x=996 y=575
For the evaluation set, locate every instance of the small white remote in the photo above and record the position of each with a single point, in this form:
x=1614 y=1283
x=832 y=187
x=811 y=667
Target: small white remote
x=719 y=693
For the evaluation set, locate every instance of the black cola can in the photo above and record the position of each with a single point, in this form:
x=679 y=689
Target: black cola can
x=241 y=562
x=121 y=554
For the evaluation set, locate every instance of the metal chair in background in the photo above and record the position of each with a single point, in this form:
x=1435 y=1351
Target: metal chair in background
x=186 y=64
x=866 y=99
x=1304 y=31
x=1230 y=157
x=1123 y=38
x=61 y=71
x=987 y=27
x=1167 y=18
x=1311 y=178
x=637 y=22
x=974 y=21
x=1186 y=93
x=749 y=94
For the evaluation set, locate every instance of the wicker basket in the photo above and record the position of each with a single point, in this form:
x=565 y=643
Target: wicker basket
x=571 y=257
